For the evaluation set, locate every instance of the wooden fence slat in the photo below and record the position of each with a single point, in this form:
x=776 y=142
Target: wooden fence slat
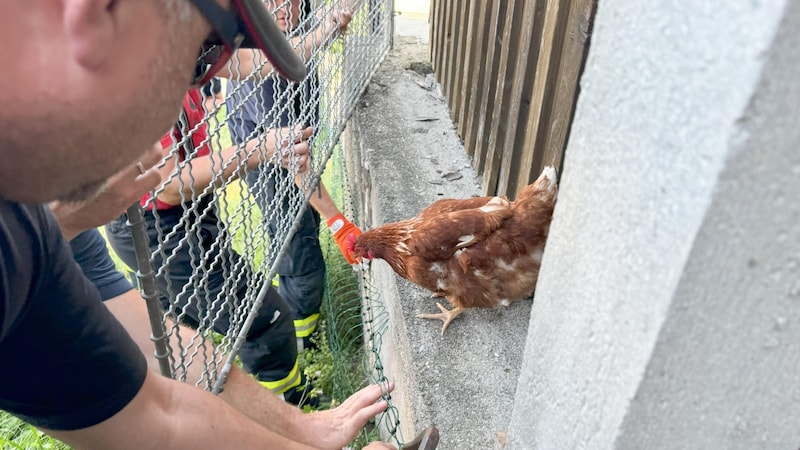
x=489 y=84
x=524 y=75
x=509 y=70
x=499 y=119
x=481 y=66
x=566 y=33
x=460 y=69
x=433 y=30
x=574 y=50
x=472 y=64
x=448 y=47
x=441 y=41
x=452 y=67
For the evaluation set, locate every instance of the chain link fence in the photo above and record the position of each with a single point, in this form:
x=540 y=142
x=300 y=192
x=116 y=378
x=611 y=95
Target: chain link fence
x=235 y=233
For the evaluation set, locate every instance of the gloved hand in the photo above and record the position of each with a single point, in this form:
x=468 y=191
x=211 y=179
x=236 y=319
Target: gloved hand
x=341 y=229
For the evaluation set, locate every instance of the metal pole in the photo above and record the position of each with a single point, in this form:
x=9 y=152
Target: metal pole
x=147 y=286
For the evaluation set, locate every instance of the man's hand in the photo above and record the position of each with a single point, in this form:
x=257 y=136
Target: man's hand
x=334 y=22
x=342 y=15
x=291 y=146
x=335 y=428
x=342 y=229
x=122 y=189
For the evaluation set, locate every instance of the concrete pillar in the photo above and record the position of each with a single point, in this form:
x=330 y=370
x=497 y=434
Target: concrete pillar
x=667 y=313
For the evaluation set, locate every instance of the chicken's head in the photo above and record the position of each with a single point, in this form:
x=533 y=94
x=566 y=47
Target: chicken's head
x=358 y=251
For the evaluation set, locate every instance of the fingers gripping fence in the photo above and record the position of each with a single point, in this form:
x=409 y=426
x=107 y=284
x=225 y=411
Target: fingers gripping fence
x=237 y=189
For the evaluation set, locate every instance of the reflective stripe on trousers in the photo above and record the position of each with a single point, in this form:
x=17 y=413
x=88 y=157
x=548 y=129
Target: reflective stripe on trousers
x=283 y=385
x=304 y=327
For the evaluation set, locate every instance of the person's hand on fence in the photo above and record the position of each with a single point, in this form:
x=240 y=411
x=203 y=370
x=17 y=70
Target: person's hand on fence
x=334 y=21
x=343 y=231
x=121 y=190
x=336 y=428
x=342 y=15
x=289 y=146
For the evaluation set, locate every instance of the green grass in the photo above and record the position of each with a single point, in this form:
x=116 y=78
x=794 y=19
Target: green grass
x=16 y=434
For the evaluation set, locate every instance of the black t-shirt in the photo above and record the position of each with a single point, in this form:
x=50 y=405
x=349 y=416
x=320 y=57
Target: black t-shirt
x=65 y=361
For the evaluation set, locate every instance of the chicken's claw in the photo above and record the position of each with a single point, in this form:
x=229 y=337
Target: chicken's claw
x=446 y=316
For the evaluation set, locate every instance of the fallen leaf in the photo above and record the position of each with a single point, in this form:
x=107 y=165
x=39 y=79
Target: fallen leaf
x=452 y=176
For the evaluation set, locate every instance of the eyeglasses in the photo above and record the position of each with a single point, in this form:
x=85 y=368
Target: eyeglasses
x=226 y=37
x=247 y=23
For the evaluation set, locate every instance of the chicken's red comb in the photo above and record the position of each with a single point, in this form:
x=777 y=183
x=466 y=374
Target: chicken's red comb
x=350 y=242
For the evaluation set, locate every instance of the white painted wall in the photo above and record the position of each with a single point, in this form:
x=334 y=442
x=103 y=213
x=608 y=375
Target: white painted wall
x=666 y=314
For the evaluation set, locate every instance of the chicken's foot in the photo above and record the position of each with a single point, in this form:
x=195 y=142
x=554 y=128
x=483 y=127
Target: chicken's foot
x=446 y=316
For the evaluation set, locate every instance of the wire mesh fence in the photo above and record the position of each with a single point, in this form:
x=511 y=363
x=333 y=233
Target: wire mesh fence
x=220 y=226
x=356 y=318
x=215 y=233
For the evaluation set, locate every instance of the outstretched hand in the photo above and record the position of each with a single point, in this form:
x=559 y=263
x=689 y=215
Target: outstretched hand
x=335 y=428
x=122 y=189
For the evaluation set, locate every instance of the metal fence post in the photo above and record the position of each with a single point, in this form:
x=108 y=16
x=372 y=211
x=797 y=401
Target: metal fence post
x=147 y=285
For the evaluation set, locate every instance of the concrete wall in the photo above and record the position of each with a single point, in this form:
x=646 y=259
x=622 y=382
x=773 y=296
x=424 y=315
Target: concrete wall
x=667 y=310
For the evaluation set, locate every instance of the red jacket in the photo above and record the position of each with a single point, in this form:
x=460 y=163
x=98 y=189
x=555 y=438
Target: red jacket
x=197 y=126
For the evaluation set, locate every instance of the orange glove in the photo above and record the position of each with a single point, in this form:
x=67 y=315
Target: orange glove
x=342 y=229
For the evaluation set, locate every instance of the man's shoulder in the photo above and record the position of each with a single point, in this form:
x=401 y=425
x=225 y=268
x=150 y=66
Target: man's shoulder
x=23 y=224
x=27 y=234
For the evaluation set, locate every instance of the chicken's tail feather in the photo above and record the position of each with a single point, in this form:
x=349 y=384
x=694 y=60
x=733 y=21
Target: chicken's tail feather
x=544 y=188
x=550 y=174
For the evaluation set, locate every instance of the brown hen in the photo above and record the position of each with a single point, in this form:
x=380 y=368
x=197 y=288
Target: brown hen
x=476 y=252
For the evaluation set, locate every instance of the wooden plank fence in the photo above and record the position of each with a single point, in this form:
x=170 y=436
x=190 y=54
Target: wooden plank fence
x=509 y=70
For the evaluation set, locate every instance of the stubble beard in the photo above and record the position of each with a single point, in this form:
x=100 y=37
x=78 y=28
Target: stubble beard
x=85 y=193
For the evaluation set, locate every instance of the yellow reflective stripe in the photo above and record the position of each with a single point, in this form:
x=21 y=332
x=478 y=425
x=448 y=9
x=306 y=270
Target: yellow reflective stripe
x=304 y=327
x=275 y=281
x=284 y=384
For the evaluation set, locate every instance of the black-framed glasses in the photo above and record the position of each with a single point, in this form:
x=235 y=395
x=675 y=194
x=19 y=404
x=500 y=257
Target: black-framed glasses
x=246 y=24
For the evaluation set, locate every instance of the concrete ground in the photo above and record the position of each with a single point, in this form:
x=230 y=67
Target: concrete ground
x=403 y=154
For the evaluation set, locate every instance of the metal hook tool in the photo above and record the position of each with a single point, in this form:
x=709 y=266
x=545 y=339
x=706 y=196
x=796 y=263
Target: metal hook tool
x=427 y=440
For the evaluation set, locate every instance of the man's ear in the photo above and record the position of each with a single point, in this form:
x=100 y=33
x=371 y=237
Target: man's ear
x=89 y=27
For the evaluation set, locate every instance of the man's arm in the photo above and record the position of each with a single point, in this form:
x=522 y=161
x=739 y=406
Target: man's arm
x=219 y=167
x=169 y=414
x=326 y=429
x=341 y=228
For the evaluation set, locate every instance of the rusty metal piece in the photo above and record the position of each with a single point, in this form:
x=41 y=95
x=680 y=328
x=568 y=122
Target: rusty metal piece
x=427 y=440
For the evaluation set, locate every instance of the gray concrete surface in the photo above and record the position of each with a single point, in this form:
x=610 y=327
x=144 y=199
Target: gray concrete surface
x=402 y=144
x=667 y=313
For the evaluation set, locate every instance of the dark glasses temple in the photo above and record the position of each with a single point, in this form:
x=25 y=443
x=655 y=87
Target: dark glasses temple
x=249 y=23
x=223 y=22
